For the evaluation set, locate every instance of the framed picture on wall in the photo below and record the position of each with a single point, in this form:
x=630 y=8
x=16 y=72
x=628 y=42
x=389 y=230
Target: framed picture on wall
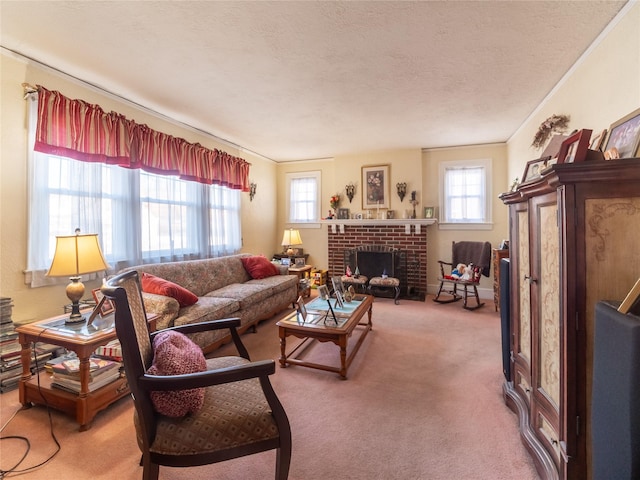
x=375 y=186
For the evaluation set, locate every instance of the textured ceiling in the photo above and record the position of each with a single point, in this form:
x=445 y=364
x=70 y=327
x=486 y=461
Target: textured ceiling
x=300 y=80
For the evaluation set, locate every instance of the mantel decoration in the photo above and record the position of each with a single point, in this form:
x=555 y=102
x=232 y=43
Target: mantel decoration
x=402 y=190
x=553 y=124
x=414 y=202
x=334 y=201
x=350 y=188
x=252 y=190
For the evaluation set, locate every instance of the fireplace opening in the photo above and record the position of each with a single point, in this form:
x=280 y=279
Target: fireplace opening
x=376 y=261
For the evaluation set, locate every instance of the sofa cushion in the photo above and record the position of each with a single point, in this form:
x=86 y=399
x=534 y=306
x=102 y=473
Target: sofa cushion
x=175 y=354
x=259 y=267
x=244 y=293
x=160 y=286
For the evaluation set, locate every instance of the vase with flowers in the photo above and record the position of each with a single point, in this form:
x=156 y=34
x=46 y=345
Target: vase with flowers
x=334 y=202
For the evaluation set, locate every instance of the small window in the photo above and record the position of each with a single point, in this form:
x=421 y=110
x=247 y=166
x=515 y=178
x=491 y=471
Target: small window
x=303 y=197
x=465 y=193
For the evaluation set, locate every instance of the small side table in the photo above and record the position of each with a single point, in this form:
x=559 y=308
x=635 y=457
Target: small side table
x=83 y=340
x=303 y=273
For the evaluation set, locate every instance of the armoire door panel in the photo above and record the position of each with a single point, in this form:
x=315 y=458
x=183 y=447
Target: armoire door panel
x=548 y=284
x=524 y=287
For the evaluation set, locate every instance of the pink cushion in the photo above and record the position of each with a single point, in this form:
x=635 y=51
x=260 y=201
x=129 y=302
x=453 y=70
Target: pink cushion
x=175 y=354
x=259 y=267
x=160 y=286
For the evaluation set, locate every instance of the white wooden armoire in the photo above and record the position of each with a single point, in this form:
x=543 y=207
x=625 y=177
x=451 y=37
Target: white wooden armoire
x=574 y=240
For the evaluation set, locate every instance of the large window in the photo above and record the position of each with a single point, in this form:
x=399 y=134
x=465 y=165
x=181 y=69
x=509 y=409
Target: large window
x=464 y=195
x=139 y=217
x=303 y=197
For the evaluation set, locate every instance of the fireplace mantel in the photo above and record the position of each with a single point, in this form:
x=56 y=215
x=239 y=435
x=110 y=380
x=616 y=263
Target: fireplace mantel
x=386 y=222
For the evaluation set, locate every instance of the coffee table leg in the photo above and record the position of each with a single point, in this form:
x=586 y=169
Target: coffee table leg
x=343 y=357
x=283 y=349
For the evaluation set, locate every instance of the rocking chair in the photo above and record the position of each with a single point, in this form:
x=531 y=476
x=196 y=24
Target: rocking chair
x=476 y=256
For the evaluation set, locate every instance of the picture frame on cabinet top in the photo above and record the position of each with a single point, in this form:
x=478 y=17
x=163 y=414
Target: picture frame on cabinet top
x=574 y=148
x=624 y=136
x=533 y=169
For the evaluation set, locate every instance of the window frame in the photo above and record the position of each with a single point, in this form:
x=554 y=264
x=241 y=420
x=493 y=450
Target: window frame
x=484 y=163
x=317 y=176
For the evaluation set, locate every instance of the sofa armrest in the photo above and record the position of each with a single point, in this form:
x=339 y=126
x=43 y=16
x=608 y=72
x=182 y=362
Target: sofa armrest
x=282 y=269
x=167 y=308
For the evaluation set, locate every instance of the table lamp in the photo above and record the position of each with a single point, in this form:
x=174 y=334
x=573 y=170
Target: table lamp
x=290 y=238
x=76 y=255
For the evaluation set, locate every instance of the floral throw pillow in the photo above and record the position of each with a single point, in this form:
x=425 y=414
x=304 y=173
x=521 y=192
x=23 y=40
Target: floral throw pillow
x=175 y=354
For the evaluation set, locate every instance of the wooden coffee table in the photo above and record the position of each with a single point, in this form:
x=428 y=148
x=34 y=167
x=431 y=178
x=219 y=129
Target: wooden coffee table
x=317 y=328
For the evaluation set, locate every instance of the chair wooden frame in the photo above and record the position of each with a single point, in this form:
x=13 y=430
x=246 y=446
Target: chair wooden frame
x=477 y=256
x=136 y=343
x=454 y=283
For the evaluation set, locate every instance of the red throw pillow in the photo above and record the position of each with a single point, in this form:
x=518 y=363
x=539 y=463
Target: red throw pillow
x=176 y=354
x=259 y=267
x=160 y=286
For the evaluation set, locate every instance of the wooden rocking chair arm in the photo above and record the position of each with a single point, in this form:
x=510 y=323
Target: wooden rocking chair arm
x=236 y=373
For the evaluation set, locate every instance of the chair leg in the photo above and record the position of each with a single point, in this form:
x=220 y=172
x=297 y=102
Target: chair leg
x=395 y=300
x=283 y=461
x=478 y=304
x=150 y=470
x=453 y=293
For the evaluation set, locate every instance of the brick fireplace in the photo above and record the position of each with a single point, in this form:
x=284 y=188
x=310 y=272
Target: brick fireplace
x=385 y=233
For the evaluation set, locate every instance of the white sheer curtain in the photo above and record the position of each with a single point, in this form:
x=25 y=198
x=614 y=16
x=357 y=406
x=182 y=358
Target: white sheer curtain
x=139 y=217
x=303 y=200
x=465 y=192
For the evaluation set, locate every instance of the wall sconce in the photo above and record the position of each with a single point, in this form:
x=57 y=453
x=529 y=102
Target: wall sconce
x=351 y=190
x=402 y=190
x=252 y=190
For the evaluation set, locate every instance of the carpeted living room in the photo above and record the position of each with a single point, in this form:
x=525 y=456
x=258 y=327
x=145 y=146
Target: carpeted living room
x=233 y=153
x=422 y=401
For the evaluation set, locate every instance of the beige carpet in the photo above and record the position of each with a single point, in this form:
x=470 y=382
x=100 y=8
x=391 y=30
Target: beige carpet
x=423 y=401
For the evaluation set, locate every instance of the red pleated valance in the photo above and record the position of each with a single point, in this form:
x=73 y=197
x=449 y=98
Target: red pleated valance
x=79 y=130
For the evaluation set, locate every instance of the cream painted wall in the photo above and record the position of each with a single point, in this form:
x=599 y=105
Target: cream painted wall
x=438 y=240
x=405 y=166
x=603 y=87
x=420 y=171
x=30 y=304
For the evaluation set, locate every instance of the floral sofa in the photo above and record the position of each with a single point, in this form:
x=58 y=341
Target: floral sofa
x=244 y=286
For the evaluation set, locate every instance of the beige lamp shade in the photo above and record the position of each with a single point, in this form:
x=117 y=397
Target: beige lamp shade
x=77 y=255
x=291 y=237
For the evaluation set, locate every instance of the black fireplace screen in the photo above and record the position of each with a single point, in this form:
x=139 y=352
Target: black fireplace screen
x=376 y=260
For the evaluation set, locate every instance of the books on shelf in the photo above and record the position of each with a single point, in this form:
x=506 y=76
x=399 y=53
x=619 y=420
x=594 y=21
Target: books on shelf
x=70 y=368
x=73 y=384
x=112 y=351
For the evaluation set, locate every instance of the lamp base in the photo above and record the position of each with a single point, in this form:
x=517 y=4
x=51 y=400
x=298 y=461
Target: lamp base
x=75 y=291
